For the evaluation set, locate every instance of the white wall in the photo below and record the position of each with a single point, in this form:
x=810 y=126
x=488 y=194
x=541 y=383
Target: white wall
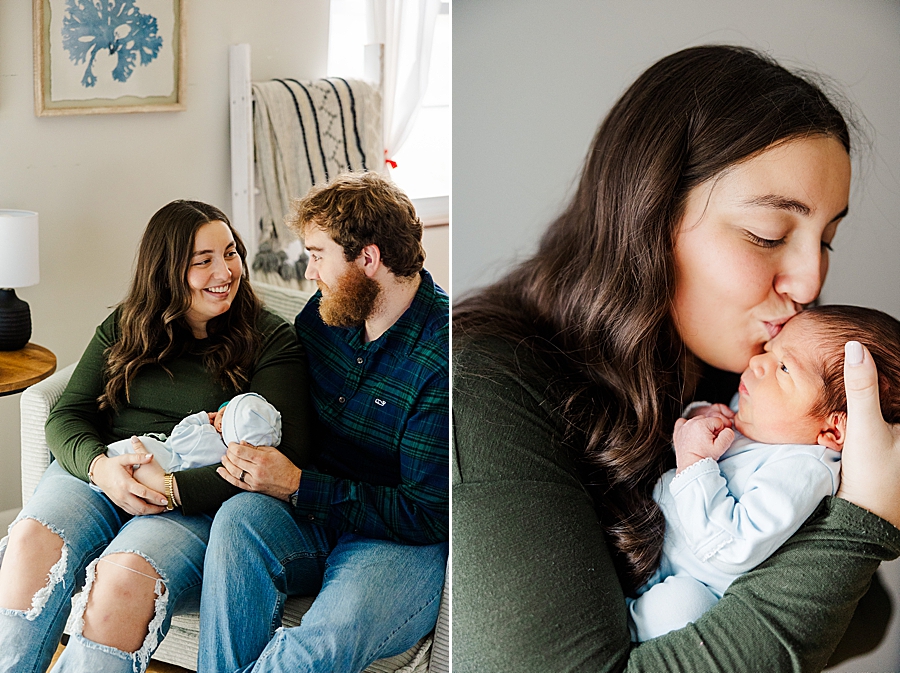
x=97 y=180
x=533 y=79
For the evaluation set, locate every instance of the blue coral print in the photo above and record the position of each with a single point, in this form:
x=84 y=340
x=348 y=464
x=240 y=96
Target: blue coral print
x=116 y=25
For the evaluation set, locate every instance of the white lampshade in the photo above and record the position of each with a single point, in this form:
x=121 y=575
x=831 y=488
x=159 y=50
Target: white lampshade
x=19 y=265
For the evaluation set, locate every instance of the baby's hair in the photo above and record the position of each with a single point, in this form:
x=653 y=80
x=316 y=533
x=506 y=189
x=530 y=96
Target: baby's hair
x=835 y=325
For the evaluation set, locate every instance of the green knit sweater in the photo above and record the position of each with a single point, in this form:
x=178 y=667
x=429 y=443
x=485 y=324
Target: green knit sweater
x=534 y=589
x=77 y=431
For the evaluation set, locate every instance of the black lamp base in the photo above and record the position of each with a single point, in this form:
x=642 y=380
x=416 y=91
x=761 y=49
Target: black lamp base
x=15 y=321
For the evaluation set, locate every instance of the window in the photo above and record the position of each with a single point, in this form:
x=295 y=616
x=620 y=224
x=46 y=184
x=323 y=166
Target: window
x=423 y=161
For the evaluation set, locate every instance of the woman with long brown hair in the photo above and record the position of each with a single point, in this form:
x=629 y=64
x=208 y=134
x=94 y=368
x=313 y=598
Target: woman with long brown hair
x=701 y=223
x=190 y=335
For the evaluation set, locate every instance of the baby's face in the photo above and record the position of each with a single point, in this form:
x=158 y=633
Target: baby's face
x=217 y=423
x=779 y=388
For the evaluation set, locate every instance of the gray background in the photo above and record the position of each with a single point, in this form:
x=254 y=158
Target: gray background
x=533 y=79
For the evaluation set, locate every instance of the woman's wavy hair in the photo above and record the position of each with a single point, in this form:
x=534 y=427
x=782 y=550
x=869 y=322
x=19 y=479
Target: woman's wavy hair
x=594 y=303
x=152 y=326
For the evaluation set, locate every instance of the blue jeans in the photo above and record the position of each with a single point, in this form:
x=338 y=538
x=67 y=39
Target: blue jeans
x=91 y=527
x=375 y=598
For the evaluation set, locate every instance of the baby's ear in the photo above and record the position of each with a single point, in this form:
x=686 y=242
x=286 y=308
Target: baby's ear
x=833 y=433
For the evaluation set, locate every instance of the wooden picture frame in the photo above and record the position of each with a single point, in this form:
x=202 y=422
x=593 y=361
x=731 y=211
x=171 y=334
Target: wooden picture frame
x=111 y=57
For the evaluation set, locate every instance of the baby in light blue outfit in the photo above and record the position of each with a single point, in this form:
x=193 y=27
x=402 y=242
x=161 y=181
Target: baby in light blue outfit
x=201 y=439
x=747 y=477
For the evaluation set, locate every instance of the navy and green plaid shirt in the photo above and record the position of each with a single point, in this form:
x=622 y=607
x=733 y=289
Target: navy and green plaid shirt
x=383 y=423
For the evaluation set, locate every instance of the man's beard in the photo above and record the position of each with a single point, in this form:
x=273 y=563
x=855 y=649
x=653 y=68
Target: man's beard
x=351 y=301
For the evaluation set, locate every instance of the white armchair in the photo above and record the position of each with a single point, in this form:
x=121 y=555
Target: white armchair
x=431 y=654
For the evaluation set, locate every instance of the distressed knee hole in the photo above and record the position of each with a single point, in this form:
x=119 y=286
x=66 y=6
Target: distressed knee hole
x=31 y=545
x=124 y=580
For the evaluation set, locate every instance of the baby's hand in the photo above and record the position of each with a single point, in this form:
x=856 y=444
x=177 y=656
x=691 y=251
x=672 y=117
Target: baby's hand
x=701 y=437
x=212 y=417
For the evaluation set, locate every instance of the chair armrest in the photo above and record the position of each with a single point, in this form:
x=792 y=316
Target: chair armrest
x=34 y=406
x=284 y=301
x=440 y=648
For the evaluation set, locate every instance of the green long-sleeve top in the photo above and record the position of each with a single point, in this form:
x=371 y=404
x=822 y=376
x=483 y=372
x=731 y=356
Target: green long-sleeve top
x=534 y=589
x=77 y=431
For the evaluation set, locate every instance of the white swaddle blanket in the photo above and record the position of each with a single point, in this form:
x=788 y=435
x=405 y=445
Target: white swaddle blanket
x=195 y=442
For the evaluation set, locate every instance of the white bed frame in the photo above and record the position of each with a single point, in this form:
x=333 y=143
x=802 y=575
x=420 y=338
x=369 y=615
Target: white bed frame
x=242 y=187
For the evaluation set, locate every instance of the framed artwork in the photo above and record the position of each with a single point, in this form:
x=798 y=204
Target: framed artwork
x=108 y=56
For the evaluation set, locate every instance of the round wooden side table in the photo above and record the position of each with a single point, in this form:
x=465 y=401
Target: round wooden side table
x=25 y=367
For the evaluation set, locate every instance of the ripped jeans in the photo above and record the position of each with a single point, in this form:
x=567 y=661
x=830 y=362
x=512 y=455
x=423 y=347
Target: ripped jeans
x=91 y=527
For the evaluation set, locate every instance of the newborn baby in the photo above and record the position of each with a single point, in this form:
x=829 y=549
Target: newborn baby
x=201 y=439
x=748 y=477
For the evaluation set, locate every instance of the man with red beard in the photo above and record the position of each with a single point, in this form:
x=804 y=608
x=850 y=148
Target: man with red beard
x=366 y=527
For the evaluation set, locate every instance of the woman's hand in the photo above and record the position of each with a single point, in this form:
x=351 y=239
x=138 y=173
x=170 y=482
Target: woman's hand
x=260 y=469
x=151 y=474
x=115 y=476
x=870 y=462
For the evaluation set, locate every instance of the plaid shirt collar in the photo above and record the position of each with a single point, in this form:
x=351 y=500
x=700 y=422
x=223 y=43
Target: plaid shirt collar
x=401 y=337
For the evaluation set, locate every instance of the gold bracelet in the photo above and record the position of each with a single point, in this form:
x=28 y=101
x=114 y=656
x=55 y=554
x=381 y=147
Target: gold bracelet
x=169 y=480
x=91 y=469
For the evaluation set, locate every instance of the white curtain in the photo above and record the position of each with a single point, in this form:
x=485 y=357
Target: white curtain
x=406 y=28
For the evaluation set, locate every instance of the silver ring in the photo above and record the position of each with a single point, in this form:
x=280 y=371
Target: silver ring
x=243 y=474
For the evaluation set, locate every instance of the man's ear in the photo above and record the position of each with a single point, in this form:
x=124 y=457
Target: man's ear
x=370 y=259
x=834 y=432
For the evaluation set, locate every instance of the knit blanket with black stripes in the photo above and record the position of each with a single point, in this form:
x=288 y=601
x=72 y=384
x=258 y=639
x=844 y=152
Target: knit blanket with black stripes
x=305 y=133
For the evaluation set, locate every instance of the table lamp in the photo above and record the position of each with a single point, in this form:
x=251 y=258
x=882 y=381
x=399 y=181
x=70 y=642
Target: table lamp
x=18 y=268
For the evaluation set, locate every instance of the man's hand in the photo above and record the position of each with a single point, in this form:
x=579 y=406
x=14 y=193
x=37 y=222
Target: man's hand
x=701 y=437
x=264 y=470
